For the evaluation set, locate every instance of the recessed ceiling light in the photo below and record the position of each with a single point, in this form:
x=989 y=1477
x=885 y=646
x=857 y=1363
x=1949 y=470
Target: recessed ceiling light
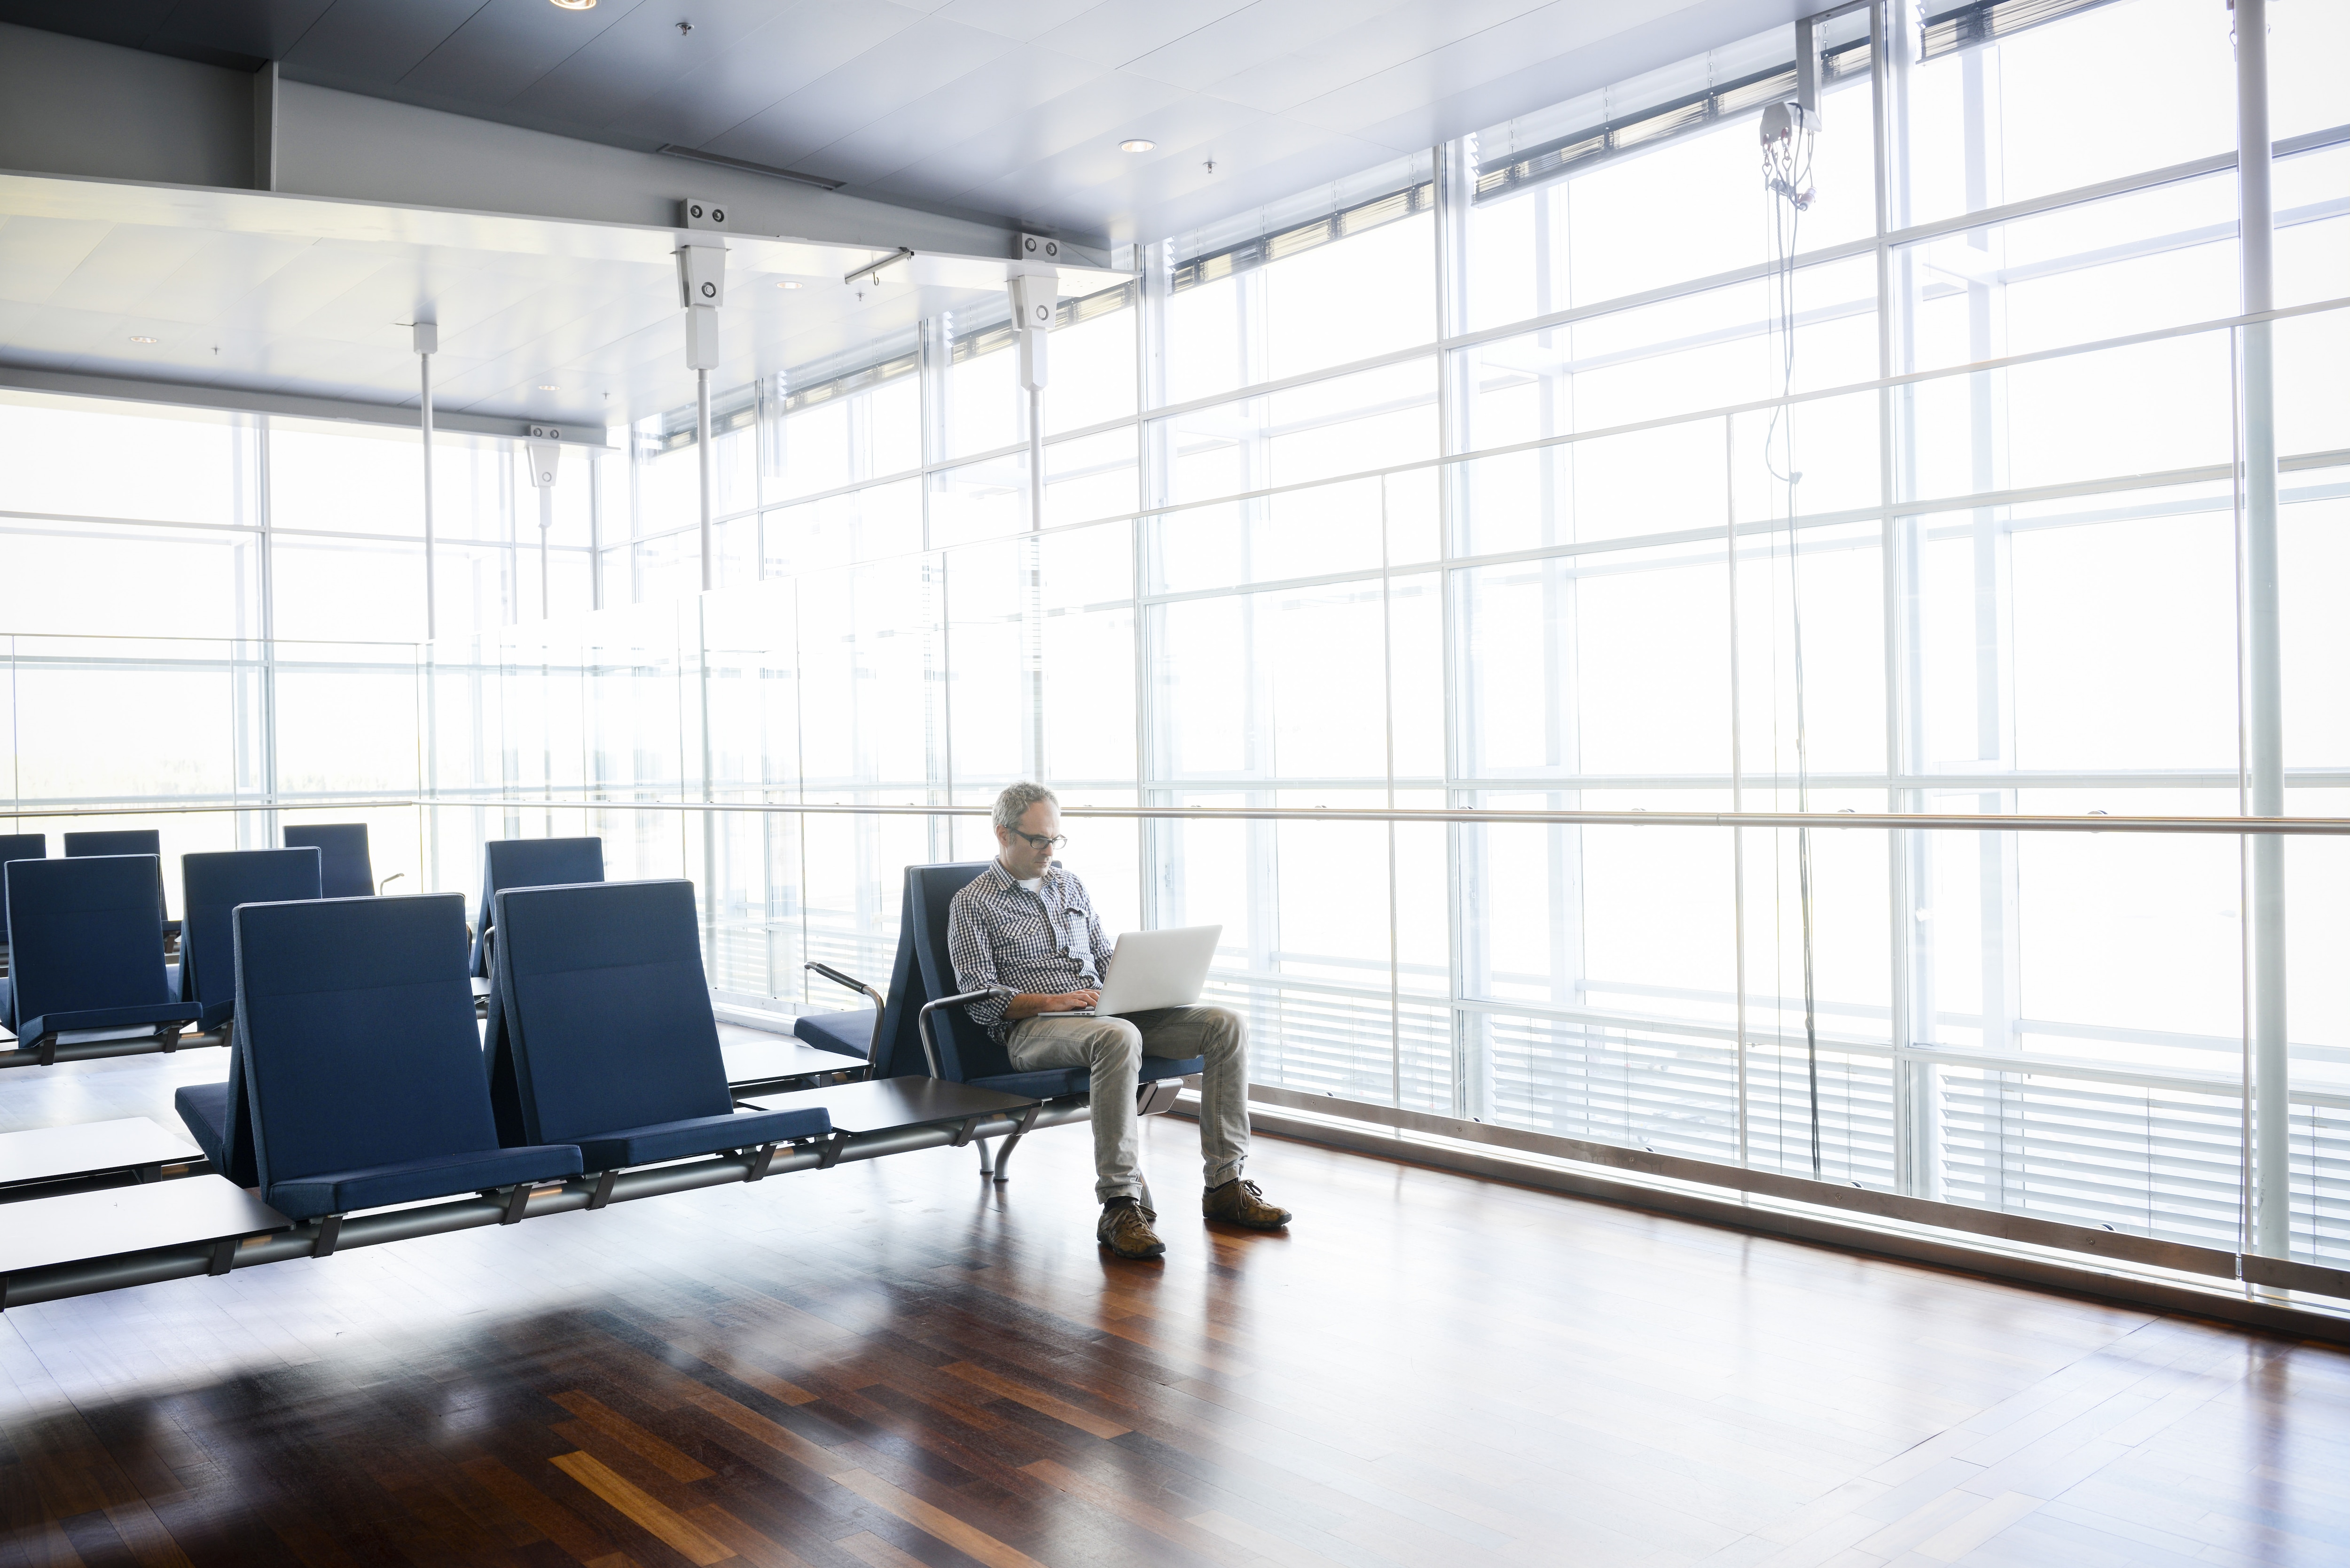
x=547 y=386
x=146 y=341
x=1137 y=144
x=787 y=284
x=576 y=4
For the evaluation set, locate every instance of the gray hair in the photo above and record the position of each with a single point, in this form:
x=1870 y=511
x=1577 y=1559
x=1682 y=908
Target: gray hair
x=1013 y=803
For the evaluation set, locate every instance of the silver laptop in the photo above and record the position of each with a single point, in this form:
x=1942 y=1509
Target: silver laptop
x=1155 y=969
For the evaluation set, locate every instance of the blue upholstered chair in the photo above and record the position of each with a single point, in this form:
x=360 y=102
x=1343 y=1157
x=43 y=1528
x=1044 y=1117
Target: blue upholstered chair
x=14 y=847
x=19 y=846
x=219 y=1116
x=849 y=1031
x=86 y=952
x=355 y=1024
x=966 y=1053
x=924 y=970
x=344 y=870
x=602 y=1035
x=210 y=887
x=115 y=841
x=128 y=841
x=529 y=862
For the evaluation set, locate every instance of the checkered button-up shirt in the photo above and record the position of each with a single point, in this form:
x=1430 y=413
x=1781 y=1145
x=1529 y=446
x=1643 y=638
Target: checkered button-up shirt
x=1043 y=943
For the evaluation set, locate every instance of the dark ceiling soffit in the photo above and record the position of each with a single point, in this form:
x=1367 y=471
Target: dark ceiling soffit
x=744 y=164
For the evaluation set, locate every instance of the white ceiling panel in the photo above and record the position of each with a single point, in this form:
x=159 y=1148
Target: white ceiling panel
x=716 y=92
x=1086 y=115
x=379 y=41
x=1279 y=80
x=919 y=61
x=38 y=255
x=991 y=104
x=1021 y=21
x=1117 y=32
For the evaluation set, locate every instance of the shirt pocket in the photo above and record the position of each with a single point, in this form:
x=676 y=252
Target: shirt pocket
x=1024 y=936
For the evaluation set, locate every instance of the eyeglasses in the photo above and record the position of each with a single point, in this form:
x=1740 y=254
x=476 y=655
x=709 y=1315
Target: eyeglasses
x=1042 y=841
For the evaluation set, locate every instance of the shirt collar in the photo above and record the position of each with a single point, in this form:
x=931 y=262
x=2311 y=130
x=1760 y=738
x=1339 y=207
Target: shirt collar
x=1005 y=880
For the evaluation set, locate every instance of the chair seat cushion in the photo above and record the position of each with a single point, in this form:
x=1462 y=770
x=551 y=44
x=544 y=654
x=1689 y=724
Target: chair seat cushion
x=849 y=1032
x=1054 y=1083
x=1046 y=1083
x=341 y=1191
x=699 y=1135
x=109 y=1018
x=204 y=1108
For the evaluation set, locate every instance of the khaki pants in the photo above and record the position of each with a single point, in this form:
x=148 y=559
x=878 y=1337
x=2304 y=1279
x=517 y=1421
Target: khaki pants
x=1113 y=1048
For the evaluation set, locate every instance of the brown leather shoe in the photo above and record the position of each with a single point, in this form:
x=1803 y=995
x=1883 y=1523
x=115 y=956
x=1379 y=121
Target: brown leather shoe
x=1124 y=1229
x=1239 y=1202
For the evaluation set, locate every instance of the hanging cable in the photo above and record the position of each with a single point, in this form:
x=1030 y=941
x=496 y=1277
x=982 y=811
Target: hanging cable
x=1787 y=138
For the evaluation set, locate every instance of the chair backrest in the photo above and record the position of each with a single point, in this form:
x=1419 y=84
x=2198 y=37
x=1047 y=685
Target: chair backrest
x=355 y=1021
x=210 y=887
x=964 y=1050
x=344 y=869
x=603 y=1013
x=531 y=863
x=115 y=841
x=19 y=846
x=85 y=934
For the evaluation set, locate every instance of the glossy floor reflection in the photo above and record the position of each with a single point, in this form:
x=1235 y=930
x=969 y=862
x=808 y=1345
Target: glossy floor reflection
x=897 y=1363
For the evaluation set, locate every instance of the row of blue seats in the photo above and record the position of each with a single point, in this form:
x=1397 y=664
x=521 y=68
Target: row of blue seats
x=359 y=1080
x=87 y=934
x=357 y=1077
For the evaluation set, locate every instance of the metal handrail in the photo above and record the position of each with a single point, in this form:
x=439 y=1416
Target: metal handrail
x=1954 y=822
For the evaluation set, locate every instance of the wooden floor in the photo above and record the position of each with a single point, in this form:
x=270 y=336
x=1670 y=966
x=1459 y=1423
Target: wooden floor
x=895 y=1363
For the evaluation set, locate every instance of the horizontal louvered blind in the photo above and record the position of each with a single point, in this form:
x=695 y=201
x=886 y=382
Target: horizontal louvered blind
x=1988 y=21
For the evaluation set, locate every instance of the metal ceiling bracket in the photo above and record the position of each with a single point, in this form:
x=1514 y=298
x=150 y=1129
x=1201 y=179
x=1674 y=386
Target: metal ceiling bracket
x=873 y=269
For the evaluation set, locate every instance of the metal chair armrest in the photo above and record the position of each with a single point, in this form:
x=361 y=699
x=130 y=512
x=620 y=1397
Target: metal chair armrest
x=929 y=1046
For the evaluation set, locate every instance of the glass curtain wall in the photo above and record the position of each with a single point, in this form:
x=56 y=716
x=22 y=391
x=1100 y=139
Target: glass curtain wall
x=222 y=609
x=1569 y=466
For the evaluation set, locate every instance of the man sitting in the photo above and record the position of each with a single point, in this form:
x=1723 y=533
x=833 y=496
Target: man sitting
x=1025 y=923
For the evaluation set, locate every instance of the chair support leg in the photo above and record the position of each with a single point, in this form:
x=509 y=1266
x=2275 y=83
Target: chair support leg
x=1003 y=1156
x=603 y=1193
x=330 y=1230
x=987 y=1168
x=516 y=1202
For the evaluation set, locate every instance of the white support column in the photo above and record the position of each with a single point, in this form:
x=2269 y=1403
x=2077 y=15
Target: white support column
x=1034 y=283
x=427 y=339
x=2264 y=657
x=701 y=450
x=702 y=289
